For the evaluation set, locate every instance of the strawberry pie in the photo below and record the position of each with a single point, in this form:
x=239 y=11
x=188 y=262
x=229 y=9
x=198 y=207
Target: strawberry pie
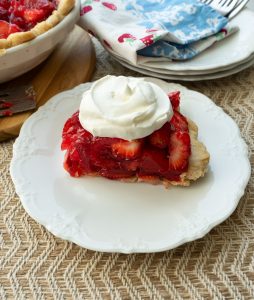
x=130 y=129
x=23 y=20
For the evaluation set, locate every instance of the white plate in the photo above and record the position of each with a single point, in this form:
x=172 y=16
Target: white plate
x=184 y=73
x=111 y=216
x=200 y=77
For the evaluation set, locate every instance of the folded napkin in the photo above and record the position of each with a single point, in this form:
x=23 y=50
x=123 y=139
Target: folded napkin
x=175 y=29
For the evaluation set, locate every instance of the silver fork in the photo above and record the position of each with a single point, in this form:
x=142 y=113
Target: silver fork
x=228 y=8
x=239 y=6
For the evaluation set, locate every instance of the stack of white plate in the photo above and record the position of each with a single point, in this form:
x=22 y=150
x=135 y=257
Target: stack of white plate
x=225 y=58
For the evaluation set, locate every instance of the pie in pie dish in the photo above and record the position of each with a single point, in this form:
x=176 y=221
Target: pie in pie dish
x=24 y=20
x=129 y=129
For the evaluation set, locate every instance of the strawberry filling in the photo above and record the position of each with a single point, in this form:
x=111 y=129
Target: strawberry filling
x=162 y=155
x=23 y=15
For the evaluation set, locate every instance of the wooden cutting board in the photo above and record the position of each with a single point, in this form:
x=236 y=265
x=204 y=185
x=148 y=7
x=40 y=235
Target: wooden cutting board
x=72 y=63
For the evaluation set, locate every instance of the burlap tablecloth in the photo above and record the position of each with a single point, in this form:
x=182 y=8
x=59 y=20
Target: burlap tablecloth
x=36 y=265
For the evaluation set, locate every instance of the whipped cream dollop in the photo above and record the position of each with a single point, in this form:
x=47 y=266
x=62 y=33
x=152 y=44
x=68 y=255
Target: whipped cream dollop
x=124 y=107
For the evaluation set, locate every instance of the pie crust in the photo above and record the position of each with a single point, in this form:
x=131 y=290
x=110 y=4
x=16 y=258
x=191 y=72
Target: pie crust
x=17 y=38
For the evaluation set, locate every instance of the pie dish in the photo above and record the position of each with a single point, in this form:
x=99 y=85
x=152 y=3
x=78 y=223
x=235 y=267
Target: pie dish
x=170 y=154
x=24 y=20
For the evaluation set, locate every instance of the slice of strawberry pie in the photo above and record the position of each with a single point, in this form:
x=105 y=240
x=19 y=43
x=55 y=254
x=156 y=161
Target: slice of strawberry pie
x=130 y=129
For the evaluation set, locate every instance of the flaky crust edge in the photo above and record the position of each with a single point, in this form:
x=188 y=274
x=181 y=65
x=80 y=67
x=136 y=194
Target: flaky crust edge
x=14 y=39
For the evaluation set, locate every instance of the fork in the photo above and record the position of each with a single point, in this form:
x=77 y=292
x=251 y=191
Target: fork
x=228 y=8
x=239 y=6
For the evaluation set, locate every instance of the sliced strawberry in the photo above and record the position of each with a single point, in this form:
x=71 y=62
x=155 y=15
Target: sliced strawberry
x=78 y=162
x=153 y=162
x=179 y=151
x=83 y=156
x=116 y=174
x=6 y=29
x=101 y=153
x=66 y=142
x=27 y=13
x=34 y=15
x=4 y=4
x=73 y=131
x=127 y=149
x=178 y=122
x=73 y=120
x=160 y=138
x=66 y=163
x=4 y=14
x=72 y=166
x=130 y=165
x=46 y=5
x=19 y=21
x=174 y=98
x=151 y=179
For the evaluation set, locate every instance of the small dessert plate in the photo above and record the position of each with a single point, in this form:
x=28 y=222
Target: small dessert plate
x=112 y=216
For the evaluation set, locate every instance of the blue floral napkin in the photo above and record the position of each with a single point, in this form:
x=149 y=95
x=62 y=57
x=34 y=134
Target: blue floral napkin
x=176 y=29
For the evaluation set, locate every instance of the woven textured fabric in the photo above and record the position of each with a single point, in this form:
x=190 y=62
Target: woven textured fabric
x=36 y=265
